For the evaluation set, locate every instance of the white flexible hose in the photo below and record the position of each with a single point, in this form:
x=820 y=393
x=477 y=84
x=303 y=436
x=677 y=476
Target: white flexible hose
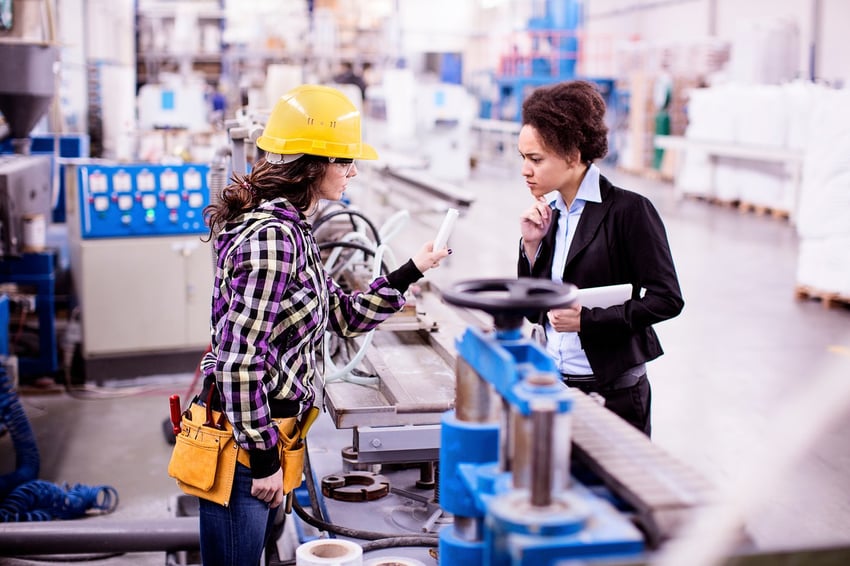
x=344 y=373
x=393 y=225
x=354 y=237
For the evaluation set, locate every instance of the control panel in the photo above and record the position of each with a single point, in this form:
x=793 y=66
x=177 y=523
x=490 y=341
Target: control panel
x=142 y=200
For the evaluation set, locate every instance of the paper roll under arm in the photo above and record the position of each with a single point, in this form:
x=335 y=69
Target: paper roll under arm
x=604 y=297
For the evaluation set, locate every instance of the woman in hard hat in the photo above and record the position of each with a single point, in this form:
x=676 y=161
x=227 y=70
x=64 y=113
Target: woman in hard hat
x=584 y=230
x=272 y=302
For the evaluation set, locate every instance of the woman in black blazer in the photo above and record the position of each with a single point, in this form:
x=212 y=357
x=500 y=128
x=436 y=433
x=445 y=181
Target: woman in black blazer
x=583 y=230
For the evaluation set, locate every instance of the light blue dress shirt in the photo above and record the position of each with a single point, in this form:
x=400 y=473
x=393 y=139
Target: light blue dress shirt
x=565 y=347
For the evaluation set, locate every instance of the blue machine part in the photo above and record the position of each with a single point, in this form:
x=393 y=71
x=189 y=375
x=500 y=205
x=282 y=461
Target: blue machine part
x=504 y=361
x=37 y=270
x=575 y=524
x=464 y=443
x=142 y=200
x=580 y=526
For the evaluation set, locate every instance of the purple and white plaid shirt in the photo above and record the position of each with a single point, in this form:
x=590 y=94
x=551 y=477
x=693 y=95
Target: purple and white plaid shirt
x=272 y=302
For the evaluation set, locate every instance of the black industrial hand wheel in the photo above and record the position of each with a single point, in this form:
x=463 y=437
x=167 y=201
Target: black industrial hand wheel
x=508 y=301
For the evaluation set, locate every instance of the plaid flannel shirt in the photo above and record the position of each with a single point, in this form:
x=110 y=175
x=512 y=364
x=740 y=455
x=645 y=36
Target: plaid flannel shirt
x=272 y=302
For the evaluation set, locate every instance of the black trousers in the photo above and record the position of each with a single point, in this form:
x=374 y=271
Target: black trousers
x=633 y=403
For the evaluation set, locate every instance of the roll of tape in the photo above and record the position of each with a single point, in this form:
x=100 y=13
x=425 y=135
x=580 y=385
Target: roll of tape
x=329 y=552
x=393 y=561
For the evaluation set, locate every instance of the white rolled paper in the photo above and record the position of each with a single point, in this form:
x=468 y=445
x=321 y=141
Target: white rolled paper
x=329 y=552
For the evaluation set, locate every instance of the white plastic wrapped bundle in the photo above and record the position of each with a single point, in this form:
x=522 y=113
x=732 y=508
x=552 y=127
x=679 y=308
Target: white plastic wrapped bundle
x=762 y=116
x=713 y=114
x=765 y=51
x=800 y=96
x=824 y=203
x=695 y=174
x=728 y=181
x=823 y=264
x=765 y=184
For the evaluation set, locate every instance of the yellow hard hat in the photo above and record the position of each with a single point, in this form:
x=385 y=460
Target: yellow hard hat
x=317 y=120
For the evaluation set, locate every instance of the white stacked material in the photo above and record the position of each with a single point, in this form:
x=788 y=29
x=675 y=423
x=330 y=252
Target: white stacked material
x=728 y=180
x=765 y=51
x=762 y=116
x=713 y=113
x=764 y=184
x=711 y=117
x=799 y=97
x=823 y=222
x=823 y=265
x=745 y=116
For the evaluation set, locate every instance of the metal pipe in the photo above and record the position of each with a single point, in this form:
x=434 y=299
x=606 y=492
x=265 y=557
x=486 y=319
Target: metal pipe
x=475 y=401
x=99 y=536
x=468 y=528
x=542 y=423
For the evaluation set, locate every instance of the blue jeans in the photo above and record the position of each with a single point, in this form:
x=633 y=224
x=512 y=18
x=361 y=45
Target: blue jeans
x=235 y=535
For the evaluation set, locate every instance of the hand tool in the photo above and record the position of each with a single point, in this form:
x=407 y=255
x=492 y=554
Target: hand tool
x=176 y=417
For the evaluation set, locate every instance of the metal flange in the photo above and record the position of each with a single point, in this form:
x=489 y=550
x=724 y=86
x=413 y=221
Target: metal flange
x=355 y=486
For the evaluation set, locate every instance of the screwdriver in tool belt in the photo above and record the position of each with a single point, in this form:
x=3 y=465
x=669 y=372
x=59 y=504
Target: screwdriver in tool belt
x=306 y=422
x=304 y=425
x=176 y=417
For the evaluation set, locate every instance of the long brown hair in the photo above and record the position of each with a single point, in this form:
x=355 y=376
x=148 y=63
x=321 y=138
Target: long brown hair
x=296 y=181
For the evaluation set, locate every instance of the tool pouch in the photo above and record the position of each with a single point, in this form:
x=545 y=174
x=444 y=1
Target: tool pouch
x=203 y=460
x=291 y=453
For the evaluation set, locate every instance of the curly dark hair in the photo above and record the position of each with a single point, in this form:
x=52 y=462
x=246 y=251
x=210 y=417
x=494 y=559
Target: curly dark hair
x=569 y=116
x=297 y=182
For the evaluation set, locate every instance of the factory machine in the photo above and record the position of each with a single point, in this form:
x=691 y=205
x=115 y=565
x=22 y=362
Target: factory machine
x=27 y=269
x=528 y=472
x=505 y=449
x=141 y=271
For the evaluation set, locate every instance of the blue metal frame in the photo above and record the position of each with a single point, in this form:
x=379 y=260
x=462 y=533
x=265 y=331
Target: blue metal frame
x=578 y=525
x=37 y=270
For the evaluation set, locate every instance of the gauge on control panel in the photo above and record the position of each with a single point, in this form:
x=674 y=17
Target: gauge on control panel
x=101 y=203
x=192 y=179
x=172 y=200
x=168 y=180
x=121 y=182
x=98 y=183
x=145 y=181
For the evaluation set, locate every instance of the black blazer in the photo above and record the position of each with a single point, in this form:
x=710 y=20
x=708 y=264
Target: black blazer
x=620 y=240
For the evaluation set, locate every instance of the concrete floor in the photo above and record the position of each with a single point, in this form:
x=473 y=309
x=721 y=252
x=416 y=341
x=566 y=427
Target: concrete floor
x=749 y=370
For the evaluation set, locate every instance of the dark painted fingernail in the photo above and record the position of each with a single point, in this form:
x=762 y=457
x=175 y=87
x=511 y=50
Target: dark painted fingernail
x=450 y=251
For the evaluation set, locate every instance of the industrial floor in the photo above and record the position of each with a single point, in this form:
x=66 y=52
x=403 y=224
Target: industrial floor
x=751 y=391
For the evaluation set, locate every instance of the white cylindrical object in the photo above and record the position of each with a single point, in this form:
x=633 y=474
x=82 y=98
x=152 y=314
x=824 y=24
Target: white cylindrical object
x=33 y=232
x=393 y=561
x=329 y=552
x=445 y=230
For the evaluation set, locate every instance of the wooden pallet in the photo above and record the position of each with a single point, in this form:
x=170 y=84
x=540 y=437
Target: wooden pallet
x=762 y=210
x=830 y=299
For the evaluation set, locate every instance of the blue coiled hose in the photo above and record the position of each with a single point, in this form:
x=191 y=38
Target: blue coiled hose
x=13 y=416
x=38 y=500
x=25 y=498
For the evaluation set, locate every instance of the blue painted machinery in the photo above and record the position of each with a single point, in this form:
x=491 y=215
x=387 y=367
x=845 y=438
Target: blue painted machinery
x=505 y=449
